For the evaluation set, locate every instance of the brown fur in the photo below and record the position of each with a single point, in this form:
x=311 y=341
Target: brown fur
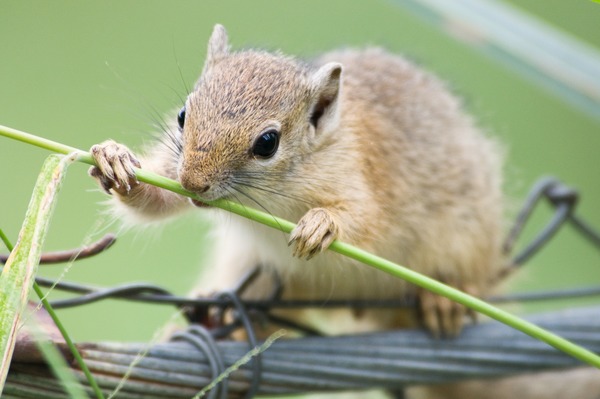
x=394 y=166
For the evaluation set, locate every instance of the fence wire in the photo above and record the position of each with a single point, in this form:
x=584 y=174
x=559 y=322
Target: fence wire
x=390 y=360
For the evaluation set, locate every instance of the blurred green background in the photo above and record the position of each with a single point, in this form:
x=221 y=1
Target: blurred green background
x=80 y=72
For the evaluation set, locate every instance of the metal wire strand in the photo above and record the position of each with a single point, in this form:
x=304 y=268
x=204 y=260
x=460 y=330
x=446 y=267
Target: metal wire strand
x=256 y=362
x=74 y=254
x=136 y=291
x=562 y=197
x=199 y=337
x=382 y=360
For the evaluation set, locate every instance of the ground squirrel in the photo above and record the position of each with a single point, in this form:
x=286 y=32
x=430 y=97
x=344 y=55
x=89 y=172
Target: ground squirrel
x=359 y=145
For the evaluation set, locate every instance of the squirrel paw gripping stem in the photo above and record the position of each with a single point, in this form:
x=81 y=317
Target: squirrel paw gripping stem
x=114 y=170
x=314 y=233
x=442 y=316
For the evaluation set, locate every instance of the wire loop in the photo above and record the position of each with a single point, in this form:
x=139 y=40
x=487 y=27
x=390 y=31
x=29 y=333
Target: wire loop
x=201 y=338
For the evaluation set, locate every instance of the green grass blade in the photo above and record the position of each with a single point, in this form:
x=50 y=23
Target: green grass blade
x=352 y=252
x=18 y=273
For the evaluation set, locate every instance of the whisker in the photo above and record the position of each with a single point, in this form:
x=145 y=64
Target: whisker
x=236 y=198
x=172 y=141
x=305 y=160
x=183 y=82
x=159 y=119
x=260 y=205
x=239 y=201
x=178 y=94
x=169 y=137
x=275 y=179
x=270 y=191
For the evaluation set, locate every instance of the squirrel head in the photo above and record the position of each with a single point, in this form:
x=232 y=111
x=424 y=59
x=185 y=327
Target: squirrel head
x=251 y=117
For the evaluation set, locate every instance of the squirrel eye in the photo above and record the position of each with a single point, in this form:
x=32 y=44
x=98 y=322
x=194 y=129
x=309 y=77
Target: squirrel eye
x=181 y=118
x=266 y=145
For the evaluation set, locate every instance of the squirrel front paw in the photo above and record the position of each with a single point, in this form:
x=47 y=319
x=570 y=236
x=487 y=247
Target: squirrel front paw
x=114 y=167
x=442 y=316
x=315 y=231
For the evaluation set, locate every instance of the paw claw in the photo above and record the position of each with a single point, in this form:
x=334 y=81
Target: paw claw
x=114 y=168
x=315 y=231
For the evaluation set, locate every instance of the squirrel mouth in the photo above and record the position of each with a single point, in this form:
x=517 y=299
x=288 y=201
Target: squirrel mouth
x=199 y=204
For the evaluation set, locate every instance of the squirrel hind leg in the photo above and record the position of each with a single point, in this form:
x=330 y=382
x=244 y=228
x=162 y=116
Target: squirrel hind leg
x=442 y=316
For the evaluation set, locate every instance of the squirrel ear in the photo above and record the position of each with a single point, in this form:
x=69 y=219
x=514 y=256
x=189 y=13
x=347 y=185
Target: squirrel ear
x=218 y=44
x=324 y=113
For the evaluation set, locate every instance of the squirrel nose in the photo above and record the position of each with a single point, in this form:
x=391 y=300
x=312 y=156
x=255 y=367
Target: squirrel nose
x=194 y=185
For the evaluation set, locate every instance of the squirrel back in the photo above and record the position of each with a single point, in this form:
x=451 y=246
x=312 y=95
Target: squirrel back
x=435 y=178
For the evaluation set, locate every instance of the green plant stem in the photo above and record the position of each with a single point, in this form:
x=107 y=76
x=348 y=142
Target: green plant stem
x=6 y=241
x=71 y=384
x=344 y=249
